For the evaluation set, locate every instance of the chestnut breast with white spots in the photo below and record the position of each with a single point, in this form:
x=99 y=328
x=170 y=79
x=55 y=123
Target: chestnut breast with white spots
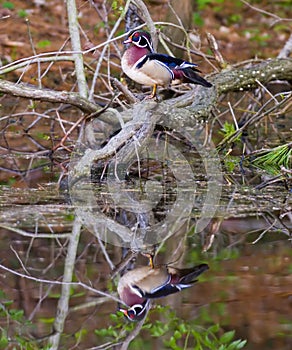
x=152 y=72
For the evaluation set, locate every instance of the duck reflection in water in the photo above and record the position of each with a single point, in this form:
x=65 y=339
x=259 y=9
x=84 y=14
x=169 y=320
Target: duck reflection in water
x=137 y=287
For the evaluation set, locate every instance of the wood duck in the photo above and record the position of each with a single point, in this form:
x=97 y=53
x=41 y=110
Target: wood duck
x=141 y=64
x=137 y=287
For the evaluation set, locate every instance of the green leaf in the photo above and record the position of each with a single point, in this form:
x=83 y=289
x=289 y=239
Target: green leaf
x=237 y=344
x=214 y=329
x=16 y=315
x=8 y=5
x=198 y=19
x=48 y=320
x=158 y=330
x=222 y=347
x=241 y=344
x=208 y=341
x=22 y=13
x=172 y=344
x=43 y=44
x=177 y=334
x=182 y=328
x=3 y=340
x=227 y=337
x=80 y=334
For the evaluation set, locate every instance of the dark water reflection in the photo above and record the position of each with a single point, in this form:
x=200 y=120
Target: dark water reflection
x=248 y=287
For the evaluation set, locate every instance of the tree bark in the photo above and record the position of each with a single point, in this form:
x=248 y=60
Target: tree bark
x=185 y=110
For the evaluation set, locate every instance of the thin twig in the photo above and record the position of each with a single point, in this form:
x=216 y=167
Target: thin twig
x=277 y=18
x=98 y=65
x=76 y=46
x=149 y=21
x=60 y=283
x=34 y=235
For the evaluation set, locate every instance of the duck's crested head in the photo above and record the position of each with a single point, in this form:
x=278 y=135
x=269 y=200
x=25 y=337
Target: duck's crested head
x=136 y=312
x=141 y=39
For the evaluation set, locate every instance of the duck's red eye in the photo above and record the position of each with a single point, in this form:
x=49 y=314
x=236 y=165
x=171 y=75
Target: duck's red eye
x=135 y=36
x=131 y=315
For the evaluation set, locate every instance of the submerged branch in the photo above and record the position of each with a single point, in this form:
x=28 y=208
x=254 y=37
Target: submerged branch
x=63 y=303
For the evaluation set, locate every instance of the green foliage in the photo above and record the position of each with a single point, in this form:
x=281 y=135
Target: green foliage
x=42 y=136
x=227 y=254
x=10 y=182
x=118 y=7
x=198 y=19
x=258 y=36
x=231 y=163
x=234 y=18
x=98 y=26
x=14 y=327
x=228 y=130
x=8 y=5
x=217 y=6
x=3 y=340
x=81 y=334
x=114 y=333
x=22 y=13
x=272 y=160
x=173 y=331
x=47 y=320
x=202 y=4
x=43 y=44
x=69 y=217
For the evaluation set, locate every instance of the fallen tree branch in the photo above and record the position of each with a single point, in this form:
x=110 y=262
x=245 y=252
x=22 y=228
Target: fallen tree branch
x=47 y=95
x=186 y=109
x=246 y=78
